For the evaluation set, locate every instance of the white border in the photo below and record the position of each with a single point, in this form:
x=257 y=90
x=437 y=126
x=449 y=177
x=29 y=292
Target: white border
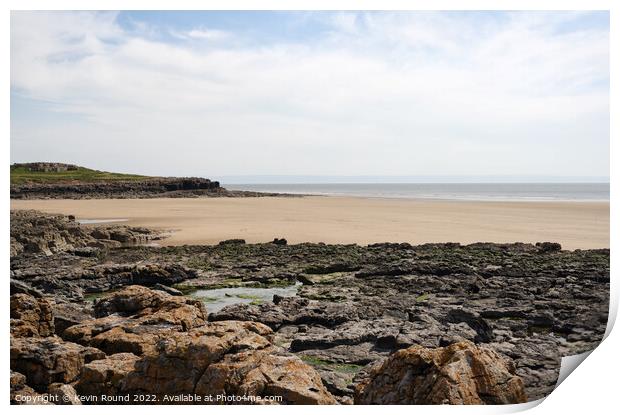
x=593 y=386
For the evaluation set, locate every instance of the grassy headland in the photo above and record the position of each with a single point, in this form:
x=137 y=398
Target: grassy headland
x=23 y=175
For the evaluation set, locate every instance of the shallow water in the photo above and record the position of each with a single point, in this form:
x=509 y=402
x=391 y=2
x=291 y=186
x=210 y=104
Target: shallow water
x=528 y=192
x=218 y=298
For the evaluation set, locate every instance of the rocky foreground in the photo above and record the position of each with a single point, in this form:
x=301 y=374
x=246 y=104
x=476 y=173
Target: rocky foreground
x=99 y=322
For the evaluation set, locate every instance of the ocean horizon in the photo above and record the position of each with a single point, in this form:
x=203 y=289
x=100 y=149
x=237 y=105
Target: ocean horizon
x=582 y=192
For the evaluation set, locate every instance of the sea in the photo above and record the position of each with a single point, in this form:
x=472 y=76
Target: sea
x=531 y=192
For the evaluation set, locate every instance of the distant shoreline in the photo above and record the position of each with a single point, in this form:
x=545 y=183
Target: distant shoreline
x=478 y=192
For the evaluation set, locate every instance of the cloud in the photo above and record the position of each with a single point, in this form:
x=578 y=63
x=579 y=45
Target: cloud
x=376 y=93
x=202 y=34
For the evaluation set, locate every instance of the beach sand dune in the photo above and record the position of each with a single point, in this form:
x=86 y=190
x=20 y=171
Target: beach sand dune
x=349 y=220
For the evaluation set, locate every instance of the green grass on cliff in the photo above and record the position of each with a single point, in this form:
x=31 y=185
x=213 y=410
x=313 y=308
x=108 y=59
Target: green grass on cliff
x=21 y=175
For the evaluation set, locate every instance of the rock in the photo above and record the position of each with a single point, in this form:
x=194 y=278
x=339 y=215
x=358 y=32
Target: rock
x=22 y=394
x=167 y=290
x=279 y=241
x=147 y=188
x=289 y=310
x=19 y=287
x=549 y=246
x=135 y=318
x=69 y=314
x=218 y=358
x=30 y=316
x=49 y=360
x=35 y=232
x=64 y=394
x=265 y=374
x=137 y=300
x=232 y=242
x=361 y=305
x=106 y=376
x=461 y=373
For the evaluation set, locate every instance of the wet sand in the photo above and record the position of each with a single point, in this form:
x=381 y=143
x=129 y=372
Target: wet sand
x=349 y=219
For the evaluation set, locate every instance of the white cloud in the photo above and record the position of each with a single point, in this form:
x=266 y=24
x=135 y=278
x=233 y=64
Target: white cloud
x=381 y=94
x=202 y=34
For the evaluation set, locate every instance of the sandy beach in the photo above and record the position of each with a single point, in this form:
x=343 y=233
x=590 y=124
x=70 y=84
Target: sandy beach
x=576 y=225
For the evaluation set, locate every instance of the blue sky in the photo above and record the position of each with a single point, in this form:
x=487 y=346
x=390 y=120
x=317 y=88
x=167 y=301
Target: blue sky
x=314 y=93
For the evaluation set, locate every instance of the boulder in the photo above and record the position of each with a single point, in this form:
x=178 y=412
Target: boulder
x=22 y=394
x=49 y=360
x=63 y=394
x=69 y=314
x=135 y=318
x=461 y=373
x=30 y=316
x=35 y=232
x=233 y=358
x=265 y=373
x=106 y=376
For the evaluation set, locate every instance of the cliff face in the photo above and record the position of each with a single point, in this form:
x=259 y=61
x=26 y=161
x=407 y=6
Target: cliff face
x=68 y=181
x=150 y=187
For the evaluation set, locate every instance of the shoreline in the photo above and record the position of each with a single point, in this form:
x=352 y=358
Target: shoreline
x=361 y=220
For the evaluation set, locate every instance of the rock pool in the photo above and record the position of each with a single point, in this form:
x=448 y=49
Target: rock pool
x=216 y=299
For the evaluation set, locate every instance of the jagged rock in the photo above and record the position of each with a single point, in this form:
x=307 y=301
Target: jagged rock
x=30 y=316
x=232 y=242
x=36 y=232
x=64 y=394
x=106 y=376
x=49 y=360
x=290 y=310
x=225 y=357
x=549 y=246
x=461 y=373
x=22 y=394
x=69 y=314
x=135 y=318
x=167 y=290
x=527 y=304
x=19 y=287
x=265 y=374
x=146 y=188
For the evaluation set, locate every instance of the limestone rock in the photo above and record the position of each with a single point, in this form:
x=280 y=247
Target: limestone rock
x=135 y=318
x=49 y=360
x=36 y=232
x=226 y=357
x=461 y=373
x=22 y=394
x=106 y=376
x=64 y=394
x=265 y=374
x=69 y=314
x=30 y=316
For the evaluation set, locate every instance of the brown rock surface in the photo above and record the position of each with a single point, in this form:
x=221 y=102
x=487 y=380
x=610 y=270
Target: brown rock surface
x=63 y=394
x=22 y=394
x=106 y=376
x=36 y=232
x=50 y=359
x=233 y=358
x=135 y=318
x=265 y=373
x=161 y=344
x=461 y=373
x=30 y=316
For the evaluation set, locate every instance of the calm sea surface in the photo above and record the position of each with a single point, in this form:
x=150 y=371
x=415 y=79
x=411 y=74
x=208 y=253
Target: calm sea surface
x=447 y=191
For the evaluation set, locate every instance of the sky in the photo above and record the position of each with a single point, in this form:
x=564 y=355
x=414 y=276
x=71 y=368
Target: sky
x=222 y=94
